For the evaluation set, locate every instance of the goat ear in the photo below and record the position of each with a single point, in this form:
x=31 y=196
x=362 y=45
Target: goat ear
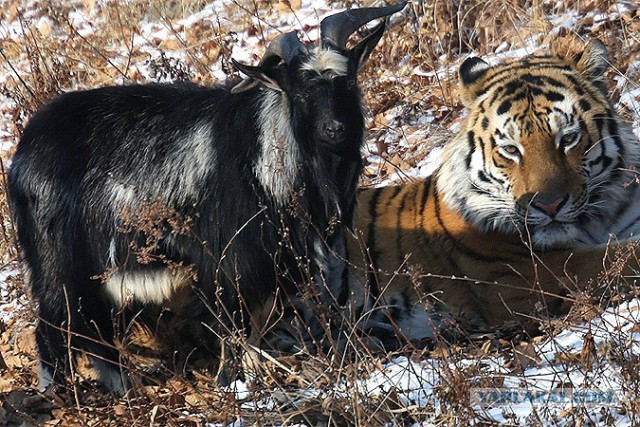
x=360 y=52
x=244 y=85
x=267 y=75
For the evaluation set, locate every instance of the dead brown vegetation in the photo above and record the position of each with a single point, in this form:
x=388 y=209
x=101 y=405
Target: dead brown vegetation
x=411 y=76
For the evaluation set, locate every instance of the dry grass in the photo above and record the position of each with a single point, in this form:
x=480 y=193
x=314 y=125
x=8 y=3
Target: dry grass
x=44 y=52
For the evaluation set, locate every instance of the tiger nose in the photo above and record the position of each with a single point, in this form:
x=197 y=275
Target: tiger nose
x=553 y=207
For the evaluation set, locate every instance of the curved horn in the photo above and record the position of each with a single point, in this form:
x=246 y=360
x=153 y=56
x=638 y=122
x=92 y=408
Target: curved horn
x=286 y=46
x=336 y=29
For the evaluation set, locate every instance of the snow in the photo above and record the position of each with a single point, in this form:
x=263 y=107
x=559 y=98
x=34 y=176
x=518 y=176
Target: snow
x=11 y=302
x=417 y=383
x=598 y=392
x=630 y=99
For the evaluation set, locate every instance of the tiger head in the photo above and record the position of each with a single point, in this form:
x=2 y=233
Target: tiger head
x=541 y=151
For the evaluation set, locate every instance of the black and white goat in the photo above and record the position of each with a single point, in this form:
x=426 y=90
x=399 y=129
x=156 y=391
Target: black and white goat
x=261 y=178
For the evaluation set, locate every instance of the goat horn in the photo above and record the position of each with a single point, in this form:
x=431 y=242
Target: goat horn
x=336 y=29
x=286 y=46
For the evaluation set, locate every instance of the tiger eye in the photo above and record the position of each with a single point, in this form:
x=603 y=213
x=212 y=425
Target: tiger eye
x=511 y=149
x=569 y=140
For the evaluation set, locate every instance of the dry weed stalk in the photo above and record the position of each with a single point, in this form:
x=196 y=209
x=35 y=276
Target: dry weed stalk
x=435 y=37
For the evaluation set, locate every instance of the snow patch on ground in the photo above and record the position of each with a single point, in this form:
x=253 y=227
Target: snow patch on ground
x=418 y=382
x=11 y=300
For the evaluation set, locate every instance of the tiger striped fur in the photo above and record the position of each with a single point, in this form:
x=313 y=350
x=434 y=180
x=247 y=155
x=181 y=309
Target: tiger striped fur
x=519 y=211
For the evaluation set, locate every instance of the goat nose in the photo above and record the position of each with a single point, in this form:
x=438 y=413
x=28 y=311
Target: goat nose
x=333 y=130
x=552 y=208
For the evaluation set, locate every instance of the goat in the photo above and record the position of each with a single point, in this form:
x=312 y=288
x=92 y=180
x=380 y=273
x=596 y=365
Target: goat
x=261 y=179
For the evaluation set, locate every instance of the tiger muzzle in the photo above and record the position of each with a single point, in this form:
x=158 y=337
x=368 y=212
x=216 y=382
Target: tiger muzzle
x=552 y=208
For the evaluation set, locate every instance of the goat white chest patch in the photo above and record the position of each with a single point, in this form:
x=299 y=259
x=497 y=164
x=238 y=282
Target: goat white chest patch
x=276 y=168
x=153 y=286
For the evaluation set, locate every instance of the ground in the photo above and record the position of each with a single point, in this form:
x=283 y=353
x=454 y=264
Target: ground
x=412 y=105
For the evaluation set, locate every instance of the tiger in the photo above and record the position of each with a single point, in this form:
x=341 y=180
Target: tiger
x=519 y=212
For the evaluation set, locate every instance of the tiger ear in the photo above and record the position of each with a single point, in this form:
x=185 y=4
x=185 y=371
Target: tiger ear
x=593 y=62
x=472 y=75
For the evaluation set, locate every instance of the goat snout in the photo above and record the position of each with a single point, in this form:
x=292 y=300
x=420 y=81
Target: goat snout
x=332 y=131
